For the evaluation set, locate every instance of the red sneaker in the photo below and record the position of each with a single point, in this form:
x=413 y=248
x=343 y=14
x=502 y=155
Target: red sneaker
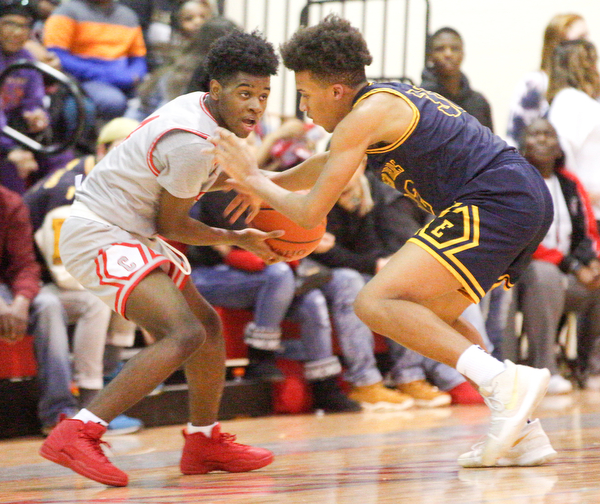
x=202 y=454
x=77 y=446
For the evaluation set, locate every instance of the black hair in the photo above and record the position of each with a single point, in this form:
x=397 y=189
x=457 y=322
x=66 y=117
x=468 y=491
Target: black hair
x=436 y=34
x=241 y=52
x=18 y=7
x=333 y=51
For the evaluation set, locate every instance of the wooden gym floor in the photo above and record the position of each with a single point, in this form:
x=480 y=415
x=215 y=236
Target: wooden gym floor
x=363 y=458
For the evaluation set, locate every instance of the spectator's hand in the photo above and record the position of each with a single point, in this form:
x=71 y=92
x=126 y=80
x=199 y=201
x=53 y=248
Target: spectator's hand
x=24 y=160
x=37 y=120
x=14 y=319
x=291 y=128
x=589 y=277
x=326 y=243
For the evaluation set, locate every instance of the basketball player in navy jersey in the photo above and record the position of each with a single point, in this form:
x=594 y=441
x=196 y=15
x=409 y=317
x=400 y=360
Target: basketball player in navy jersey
x=492 y=209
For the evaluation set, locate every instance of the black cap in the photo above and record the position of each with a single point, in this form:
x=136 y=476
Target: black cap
x=18 y=7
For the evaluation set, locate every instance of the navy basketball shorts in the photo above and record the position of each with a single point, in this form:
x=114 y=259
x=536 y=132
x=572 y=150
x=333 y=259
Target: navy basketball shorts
x=488 y=236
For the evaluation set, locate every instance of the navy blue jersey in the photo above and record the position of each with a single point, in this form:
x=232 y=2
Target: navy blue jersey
x=443 y=149
x=55 y=190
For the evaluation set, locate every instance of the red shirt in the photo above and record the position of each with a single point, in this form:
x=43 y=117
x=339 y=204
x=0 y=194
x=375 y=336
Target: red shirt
x=18 y=266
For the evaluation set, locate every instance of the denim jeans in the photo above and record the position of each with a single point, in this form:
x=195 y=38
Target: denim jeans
x=411 y=366
x=109 y=101
x=354 y=337
x=48 y=326
x=270 y=294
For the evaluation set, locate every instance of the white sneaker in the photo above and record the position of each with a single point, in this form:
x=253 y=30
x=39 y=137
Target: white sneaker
x=532 y=448
x=559 y=385
x=511 y=396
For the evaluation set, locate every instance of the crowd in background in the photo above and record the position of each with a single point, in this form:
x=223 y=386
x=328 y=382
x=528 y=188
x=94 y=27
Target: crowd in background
x=131 y=57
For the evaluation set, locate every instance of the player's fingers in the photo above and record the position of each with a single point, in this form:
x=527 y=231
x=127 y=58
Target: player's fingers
x=274 y=234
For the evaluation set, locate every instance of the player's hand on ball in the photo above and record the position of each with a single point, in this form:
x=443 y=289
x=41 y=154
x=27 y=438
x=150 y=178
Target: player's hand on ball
x=254 y=241
x=245 y=200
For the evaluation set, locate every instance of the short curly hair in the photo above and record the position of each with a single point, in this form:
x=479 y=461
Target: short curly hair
x=333 y=51
x=241 y=52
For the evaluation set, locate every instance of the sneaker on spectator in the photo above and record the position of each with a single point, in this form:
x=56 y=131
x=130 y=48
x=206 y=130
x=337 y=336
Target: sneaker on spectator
x=123 y=424
x=425 y=394
x=532 y=448
x=511 y=396
x=465 y=393
x=377 y=397
x=559 y=385
x=219 y=452
x=77 y=445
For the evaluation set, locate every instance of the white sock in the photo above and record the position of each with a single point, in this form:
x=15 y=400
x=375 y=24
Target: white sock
x=478 y=365
x=87 y=416
x=205 y=429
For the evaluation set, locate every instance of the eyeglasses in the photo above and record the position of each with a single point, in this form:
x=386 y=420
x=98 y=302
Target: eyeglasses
x=14 y=25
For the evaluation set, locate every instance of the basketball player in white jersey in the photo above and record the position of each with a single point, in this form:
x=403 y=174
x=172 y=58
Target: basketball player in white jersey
x=111 y=243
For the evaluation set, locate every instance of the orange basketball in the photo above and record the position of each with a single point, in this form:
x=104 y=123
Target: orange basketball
x=297 y=242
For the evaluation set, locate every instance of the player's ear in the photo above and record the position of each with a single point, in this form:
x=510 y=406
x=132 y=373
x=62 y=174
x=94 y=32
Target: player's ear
x=215 y=89
x=338 y=91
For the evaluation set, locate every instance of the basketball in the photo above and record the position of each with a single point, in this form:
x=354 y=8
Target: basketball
x=297 y=242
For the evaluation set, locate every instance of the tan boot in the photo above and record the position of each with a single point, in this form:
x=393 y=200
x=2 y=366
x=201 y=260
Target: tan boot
x=425 y=394
x=378 y=397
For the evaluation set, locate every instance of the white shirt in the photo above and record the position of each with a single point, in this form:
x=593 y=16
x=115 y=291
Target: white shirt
x=576 y=117
x=164 y=153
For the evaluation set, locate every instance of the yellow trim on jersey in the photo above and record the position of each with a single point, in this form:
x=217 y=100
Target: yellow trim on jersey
x=466 y=288
x=504 y=280
x=470 y=241
x=411 y=127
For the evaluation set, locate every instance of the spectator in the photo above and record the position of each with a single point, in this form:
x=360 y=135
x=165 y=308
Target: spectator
x=25 y=309
x=21 y=102
x=573 y=92
x=49 y=202
x=565 y=272
x=235 y=278
x=100 y=43
x=442 y=74
x=170 y=81
x=529 y=100
x=367 y=225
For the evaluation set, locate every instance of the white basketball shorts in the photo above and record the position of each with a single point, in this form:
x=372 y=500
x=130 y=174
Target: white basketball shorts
x=110 y=261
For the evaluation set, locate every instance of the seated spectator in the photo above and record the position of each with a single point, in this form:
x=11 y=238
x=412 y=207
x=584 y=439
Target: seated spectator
x=170 y=81
x=367 y=225
x=235 y=278
x=564 y=274
x=35 y=44
x=442 y=74
x=573 y=92
x=25 y=309
x=529 y=102
x=95 y=324
x=100 y=43
x=21 y=103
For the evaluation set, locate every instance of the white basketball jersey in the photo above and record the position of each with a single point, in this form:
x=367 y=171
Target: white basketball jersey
x=125 y=187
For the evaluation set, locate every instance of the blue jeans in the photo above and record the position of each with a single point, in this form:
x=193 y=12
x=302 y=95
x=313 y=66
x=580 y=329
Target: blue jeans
x=109 y=101
x=48 y=326
x=270 y=294
x=411 y=366
x=354 y=337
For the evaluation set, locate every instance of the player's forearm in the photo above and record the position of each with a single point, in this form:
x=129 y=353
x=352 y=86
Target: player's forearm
x=193 y=232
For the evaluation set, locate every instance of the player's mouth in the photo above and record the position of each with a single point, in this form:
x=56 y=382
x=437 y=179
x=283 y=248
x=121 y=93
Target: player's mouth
x=249 y=124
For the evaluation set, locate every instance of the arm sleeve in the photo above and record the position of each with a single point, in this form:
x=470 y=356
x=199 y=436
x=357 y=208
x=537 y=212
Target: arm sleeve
x=23 y=271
